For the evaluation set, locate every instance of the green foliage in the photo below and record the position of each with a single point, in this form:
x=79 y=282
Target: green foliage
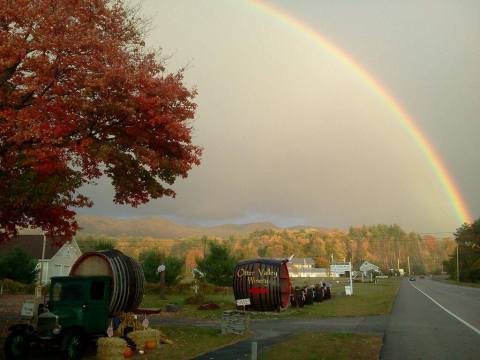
x=467 y=237
x=173 y=270
x=19 y=266
x=16 y=288
x=104 y=245
x=152 y=258
x=96 y=243
x=218 y=265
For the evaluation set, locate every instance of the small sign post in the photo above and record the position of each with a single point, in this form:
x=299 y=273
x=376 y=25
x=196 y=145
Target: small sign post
x=243 y=302
x=28 y=308
x=351 y=282
x=161 y=270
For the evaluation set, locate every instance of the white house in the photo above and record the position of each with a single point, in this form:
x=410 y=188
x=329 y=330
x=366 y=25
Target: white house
x=309 y=272
x=58 y=259
x=301 y=263
x=304 y=267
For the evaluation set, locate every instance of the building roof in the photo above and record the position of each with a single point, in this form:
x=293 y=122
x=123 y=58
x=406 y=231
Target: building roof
x=302 y=261
x=32 y=245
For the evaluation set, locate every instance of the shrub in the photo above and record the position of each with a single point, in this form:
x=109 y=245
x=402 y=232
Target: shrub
x=16 y=288
x=104 y=245
x=173 y=270
x=19 y=266
x=152 y=258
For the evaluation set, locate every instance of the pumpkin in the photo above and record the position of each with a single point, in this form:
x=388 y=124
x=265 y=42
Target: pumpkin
x=150 y=344
x=128 y=352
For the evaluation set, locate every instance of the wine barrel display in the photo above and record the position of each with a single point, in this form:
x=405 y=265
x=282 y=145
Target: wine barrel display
x=319 y=293
x=265 y=282
x=309 y=295
x=297 y=297
x=128 y=280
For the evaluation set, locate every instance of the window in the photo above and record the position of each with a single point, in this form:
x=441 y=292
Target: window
x=57 y=290
x=66 y=269
x=58 y=270
x=68 y=292
x=97 y=289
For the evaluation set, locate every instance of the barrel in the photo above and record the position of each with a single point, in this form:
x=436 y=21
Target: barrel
x=265 y=282
x=319 y=293
x=297 y=297
x=309 y=295
x=128 y=280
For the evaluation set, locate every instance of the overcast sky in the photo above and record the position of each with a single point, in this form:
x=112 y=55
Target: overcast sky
x=292 y=136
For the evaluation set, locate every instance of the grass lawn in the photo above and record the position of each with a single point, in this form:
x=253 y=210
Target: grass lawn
x=323 y=346
x=225 y=301
x=367 y=299
x=190 y=342
x=461 y=283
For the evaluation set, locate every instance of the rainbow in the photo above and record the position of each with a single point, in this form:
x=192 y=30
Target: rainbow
x=446 y=180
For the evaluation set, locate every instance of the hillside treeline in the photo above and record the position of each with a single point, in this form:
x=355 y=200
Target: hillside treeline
x=385 y=245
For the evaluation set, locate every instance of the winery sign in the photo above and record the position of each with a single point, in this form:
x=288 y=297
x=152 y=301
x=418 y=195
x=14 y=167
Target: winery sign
x=258 y=276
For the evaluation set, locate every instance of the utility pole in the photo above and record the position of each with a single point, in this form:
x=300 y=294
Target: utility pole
x=351 y=282
x=204 y=246
x=38 y=289
x=398 y=260
x=408 y=260
x=458 y=266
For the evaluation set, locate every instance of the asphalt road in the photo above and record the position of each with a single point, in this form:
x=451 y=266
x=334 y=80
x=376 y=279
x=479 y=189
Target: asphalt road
x=419 y=328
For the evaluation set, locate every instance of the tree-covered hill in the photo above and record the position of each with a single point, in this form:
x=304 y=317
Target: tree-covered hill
x=385 y=245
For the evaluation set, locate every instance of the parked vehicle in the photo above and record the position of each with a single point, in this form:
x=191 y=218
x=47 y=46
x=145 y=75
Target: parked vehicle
x=77 y=309
x=80 y=307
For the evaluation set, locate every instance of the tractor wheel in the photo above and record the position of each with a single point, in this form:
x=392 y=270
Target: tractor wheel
x=17 y=345
x=73 y=344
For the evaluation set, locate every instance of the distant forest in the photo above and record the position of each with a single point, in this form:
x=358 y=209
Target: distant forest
x=383 y=245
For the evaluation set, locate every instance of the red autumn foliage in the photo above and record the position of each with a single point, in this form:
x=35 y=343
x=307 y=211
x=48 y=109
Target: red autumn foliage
x=81 y=96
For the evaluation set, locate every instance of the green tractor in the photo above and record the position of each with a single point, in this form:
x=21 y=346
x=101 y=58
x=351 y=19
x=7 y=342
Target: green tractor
x=77 y=311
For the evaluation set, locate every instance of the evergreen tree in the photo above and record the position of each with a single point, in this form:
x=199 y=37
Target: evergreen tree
x=150 y=260
x=218 y=265
x=19 y=266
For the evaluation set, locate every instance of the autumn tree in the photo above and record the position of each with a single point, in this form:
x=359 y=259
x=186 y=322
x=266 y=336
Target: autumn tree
x=80 y=97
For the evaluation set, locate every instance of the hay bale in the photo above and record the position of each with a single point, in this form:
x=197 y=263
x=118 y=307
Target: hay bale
x=129 y=322
x=110 y=348
x=140 y=337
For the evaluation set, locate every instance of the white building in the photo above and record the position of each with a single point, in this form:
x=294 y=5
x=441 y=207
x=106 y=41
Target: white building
x=58 y=259
x=305 y=267
x=301 y=263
